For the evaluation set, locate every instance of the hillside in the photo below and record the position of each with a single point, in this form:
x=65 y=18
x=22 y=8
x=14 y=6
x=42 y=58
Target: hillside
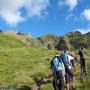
x=22 y=65
x=50 y=41
x=9 y=41
x=19 y=62
x=68 y=41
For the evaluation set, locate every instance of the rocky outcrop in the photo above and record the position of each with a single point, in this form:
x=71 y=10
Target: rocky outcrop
x=63 y=44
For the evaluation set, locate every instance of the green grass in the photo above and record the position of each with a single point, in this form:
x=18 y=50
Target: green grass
x=85 y=85
x=9 y=41
x=20 y=64
x=81 y=84
x=24 y=63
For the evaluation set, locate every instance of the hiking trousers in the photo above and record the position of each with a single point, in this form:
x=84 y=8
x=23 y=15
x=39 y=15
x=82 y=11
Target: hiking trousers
x=58 y=82
x=83 y=66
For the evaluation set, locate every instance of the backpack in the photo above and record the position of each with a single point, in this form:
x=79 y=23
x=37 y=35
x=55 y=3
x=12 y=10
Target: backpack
x=65 y=57
x=65 y=60
x=57 y=65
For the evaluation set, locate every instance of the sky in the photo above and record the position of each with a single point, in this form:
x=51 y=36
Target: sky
x=40 y=17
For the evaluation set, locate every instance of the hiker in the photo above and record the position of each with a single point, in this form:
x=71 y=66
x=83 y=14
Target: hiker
x=72 y=59
x=58 y=71
x=82 y=55
x=68 y=70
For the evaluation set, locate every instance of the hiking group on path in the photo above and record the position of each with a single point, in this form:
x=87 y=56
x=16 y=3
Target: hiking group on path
x=62 y=69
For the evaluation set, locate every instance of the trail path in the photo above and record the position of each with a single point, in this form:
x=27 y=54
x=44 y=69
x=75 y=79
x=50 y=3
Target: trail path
x=45 y=79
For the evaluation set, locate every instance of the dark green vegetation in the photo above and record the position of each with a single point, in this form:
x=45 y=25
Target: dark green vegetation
x=20 y=64
x=68 y=41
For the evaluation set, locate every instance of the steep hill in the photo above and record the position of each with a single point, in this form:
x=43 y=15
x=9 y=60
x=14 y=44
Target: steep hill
x=22 y=65
x=10 y=41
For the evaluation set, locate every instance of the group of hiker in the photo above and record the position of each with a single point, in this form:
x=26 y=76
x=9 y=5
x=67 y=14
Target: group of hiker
x=62 y=69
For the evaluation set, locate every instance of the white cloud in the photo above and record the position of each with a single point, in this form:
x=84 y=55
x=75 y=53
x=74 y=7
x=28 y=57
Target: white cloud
x=83 y=31
x=86 y=14
x=36 y=7
x=71 y=3
x=10 y=10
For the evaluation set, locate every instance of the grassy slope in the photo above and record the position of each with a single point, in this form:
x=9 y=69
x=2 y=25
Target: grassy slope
x=20 y=63
x=85 y=84
x=9 y=42
x=81 y=84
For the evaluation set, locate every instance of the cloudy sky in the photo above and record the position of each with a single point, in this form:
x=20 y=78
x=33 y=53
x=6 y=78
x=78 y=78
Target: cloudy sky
x=40 y=17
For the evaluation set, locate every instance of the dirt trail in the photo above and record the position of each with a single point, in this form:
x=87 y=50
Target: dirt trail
x=45 y=79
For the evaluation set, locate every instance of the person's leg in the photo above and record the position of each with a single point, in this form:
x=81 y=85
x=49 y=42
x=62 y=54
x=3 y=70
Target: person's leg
x=54 y=81
x=61 y=84
x=73 y=79
x=81 y=68
x=68 y=86
x=72 y=76
x=61 y=80
x=67 y=81
x=54 y=84
x=74 y=83
x=84 y=67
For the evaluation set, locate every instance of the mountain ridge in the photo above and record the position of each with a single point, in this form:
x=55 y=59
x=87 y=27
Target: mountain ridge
x=50 y=41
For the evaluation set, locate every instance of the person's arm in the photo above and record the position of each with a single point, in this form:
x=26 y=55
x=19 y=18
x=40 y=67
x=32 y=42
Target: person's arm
x=77 y=53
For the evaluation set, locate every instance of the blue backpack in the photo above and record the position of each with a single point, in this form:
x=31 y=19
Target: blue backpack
x=66 y=61
x=65 y=57
x=57 y=64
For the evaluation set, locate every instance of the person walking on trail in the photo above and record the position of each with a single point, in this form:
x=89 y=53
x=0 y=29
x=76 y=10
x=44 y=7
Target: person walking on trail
x=58 y=71
x=68 y=71
x=82 y=55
